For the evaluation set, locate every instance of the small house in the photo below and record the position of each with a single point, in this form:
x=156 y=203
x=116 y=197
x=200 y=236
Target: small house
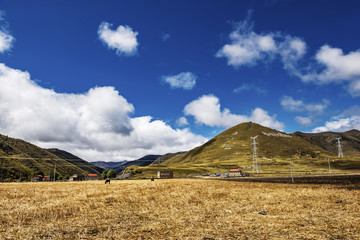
x=92 y=176
x=46 y=178
x=77 y=177
x=235 y=173
x=165 y=174
x=37 y=178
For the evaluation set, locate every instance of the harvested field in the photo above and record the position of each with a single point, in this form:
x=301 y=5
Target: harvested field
x=178 y=209
x=345 y=180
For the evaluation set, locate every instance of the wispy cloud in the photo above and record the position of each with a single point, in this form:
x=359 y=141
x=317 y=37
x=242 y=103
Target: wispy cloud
x=6 y=39
x=311 y=109
x=329 y=65
x=207 y=110
x=249 y=87
x=165 y=36
x=123 y=39
x=306 y=121
x=292 y=105
x=184 y=80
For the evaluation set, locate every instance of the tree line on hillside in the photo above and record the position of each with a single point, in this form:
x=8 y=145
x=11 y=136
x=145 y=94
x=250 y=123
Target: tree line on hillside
x=108 y=174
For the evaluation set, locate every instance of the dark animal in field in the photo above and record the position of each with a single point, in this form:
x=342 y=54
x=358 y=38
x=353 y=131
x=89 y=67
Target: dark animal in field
x=107 y=180
x=152 y=179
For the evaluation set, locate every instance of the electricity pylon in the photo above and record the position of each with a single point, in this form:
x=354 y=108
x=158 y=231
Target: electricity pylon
x=254 y=150
x=340 y=152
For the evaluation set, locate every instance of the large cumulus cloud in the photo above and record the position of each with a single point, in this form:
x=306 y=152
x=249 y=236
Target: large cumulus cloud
x=96 y=124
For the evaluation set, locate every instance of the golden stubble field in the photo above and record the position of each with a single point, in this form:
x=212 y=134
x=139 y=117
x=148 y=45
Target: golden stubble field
x=177 y=209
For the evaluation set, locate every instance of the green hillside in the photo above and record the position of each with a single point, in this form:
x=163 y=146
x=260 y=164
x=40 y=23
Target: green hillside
x=350 y=141
x=21 y=160
x=232 y=149
x=72 y=159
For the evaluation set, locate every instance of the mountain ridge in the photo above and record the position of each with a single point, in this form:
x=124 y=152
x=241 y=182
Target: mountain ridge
x=20 y=160
x=233 y=149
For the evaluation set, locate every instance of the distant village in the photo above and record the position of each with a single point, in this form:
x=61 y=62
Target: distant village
x=160 y=175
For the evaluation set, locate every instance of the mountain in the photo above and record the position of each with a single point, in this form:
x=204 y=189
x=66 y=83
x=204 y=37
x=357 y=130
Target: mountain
x=108 y=165
x=120 y=166
x=165 y=157
x=233 y=148
x=236 y=143
x=21 y=160
x=350 y=141
x=72 y=159
x=144 y=161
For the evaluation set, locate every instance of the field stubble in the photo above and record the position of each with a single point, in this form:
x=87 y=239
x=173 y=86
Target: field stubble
x=177 y=209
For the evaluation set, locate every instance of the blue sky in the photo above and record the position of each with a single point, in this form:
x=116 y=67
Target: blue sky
x=115 y=80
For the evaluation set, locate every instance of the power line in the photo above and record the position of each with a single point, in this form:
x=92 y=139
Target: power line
x=67 y=159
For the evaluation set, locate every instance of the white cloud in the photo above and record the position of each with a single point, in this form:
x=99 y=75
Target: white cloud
x=185 y=80
x=247 y=48
x=6 y=40
x=312 y=109
x=337 y=68
x=337 y=124
x=330 y=65
x=292 y=49
x=248 y=87
x=292 y=105
x=123 y=39
x=206 y=110
x=307 y=121
x=95 y=125
x=182 y=121
x=348 y=120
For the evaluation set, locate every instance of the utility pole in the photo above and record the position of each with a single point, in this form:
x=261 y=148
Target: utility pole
x=55 y=173
x=292 y=171
x=340 y=152
x=329 y=166
x=255 y=162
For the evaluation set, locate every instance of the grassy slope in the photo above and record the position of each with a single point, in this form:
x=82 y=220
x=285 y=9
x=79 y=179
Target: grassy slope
x=232 y=149
x=350 y=141
x=20 y=158
x=72 y=159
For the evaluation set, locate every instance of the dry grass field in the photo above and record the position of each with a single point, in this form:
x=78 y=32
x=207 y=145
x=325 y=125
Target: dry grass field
x=178 y=209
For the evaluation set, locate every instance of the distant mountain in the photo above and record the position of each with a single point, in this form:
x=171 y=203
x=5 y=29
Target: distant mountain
x=350 y=141
x=233 y=148
x=144 y=161
x=108 y=165
x=165 y=157
x=21 y=160
x=72 y=159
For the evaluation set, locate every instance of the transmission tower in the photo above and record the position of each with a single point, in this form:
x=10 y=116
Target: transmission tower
x=340 y=152
x=254 y=150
